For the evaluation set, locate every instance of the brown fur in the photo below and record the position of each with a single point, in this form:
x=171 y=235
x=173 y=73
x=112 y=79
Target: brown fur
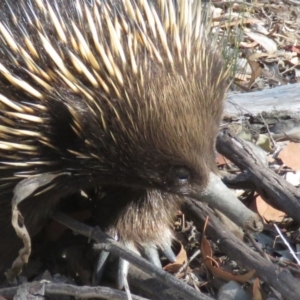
x=136 y=215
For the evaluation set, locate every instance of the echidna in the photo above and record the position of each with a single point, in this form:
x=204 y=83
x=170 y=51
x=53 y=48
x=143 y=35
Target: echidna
x=125 y=94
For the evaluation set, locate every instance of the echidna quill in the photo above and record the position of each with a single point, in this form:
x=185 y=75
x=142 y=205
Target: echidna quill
x=126 y=95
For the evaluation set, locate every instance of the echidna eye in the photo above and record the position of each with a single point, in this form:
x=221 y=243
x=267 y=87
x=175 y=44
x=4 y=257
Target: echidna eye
x=182 y=175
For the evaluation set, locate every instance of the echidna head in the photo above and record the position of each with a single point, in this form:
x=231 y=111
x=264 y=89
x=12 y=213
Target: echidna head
x=161 y=132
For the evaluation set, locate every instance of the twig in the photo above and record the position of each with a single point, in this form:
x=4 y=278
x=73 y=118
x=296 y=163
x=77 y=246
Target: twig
x=81 y=292
x=108 y=244
x=287 y=244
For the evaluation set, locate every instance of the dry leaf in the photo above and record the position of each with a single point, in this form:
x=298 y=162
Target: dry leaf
x=255 y=68
x=266 y=211
x=256 y=290
x=221 y=160
x=264 y=143
x=181 y=259
x=290 y=155
x=217 y=272
x=267 y=43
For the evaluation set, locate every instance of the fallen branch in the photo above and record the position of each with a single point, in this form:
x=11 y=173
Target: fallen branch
x=272 y=188
x=267 y=100
x=276 y=276
x=29 y=290
x=218 y=196
x=108 y=244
